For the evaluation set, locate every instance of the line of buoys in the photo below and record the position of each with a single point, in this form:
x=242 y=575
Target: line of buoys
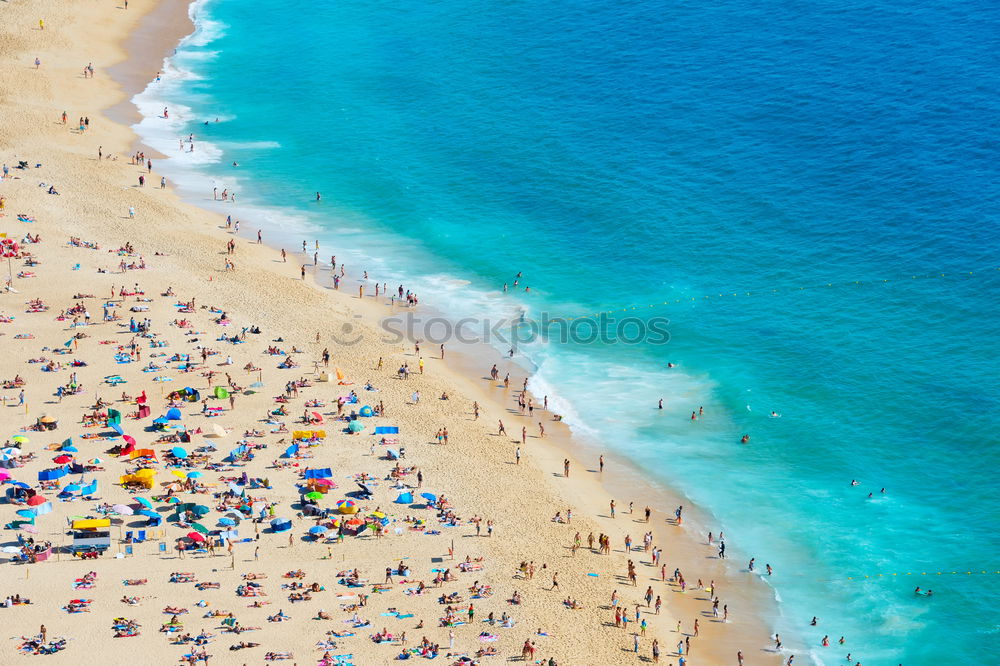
x=922 y=573
x=783 y=290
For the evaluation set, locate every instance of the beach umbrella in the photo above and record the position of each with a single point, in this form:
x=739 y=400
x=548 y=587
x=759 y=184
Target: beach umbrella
x=198 y=527
x=63 y=459
x=122 y=509
x=200 y=510
x=323 y=482
x=173 y=414
x=144 y=502
x=26 y=513
x=35 y=500
x=29 y=528
x=95 y=461
x=19 y=484
x=355 y=426
x=149 y=514
x=20 y=439
x=4 y=475
x=179 y=473
x=42 y=509
x=11 y=550
x=227 y=522
x=218 y=430
x=430 y=497
x=392 y=453
x=129 y=440
x=173 y=499
x=314 y=495
x=117 y=428
x=318 y=530
x=69 y=448
x=72 y=488
x=257 y=385
x=195 y=474
x=195 y=536
x=179 y=452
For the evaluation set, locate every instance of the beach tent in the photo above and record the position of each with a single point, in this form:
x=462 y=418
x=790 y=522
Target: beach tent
x=366 y=411
x=291 y=451
x=114 y=416
x=238 y=452
x=355 y=426
x=221 y=393
x=89 y=489
x=404 y=498
x=281 y=525
x=174 y=414
x=51 y=474
x=154 y=518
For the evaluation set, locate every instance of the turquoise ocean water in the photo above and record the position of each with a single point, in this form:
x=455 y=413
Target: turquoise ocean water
x=635 y=153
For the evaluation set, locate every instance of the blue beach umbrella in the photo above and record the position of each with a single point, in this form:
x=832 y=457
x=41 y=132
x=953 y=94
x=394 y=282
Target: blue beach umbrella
x=430 y=497
x=228 y=522
x=318 y=530
x=117 y=428
x=195 y=474
x=143 y=501
x=179 y=452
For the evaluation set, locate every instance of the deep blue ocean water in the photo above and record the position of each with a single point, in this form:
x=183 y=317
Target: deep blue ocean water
x=636 y=153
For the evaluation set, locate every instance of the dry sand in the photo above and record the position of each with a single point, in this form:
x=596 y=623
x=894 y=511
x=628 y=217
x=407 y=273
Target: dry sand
x=474 y=470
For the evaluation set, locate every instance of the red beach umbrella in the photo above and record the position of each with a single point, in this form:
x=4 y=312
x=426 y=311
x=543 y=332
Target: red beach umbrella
x=194 y=536
x=63 y=459
x=35 y=500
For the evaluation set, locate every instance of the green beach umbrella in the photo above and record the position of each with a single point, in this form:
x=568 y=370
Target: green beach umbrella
x=199 y=528
x=314 y=495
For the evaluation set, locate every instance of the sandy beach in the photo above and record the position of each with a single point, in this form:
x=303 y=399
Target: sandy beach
x=128 y=298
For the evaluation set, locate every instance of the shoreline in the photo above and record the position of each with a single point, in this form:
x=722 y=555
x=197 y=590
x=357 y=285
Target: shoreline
x=188 y=258
x=560 y=442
